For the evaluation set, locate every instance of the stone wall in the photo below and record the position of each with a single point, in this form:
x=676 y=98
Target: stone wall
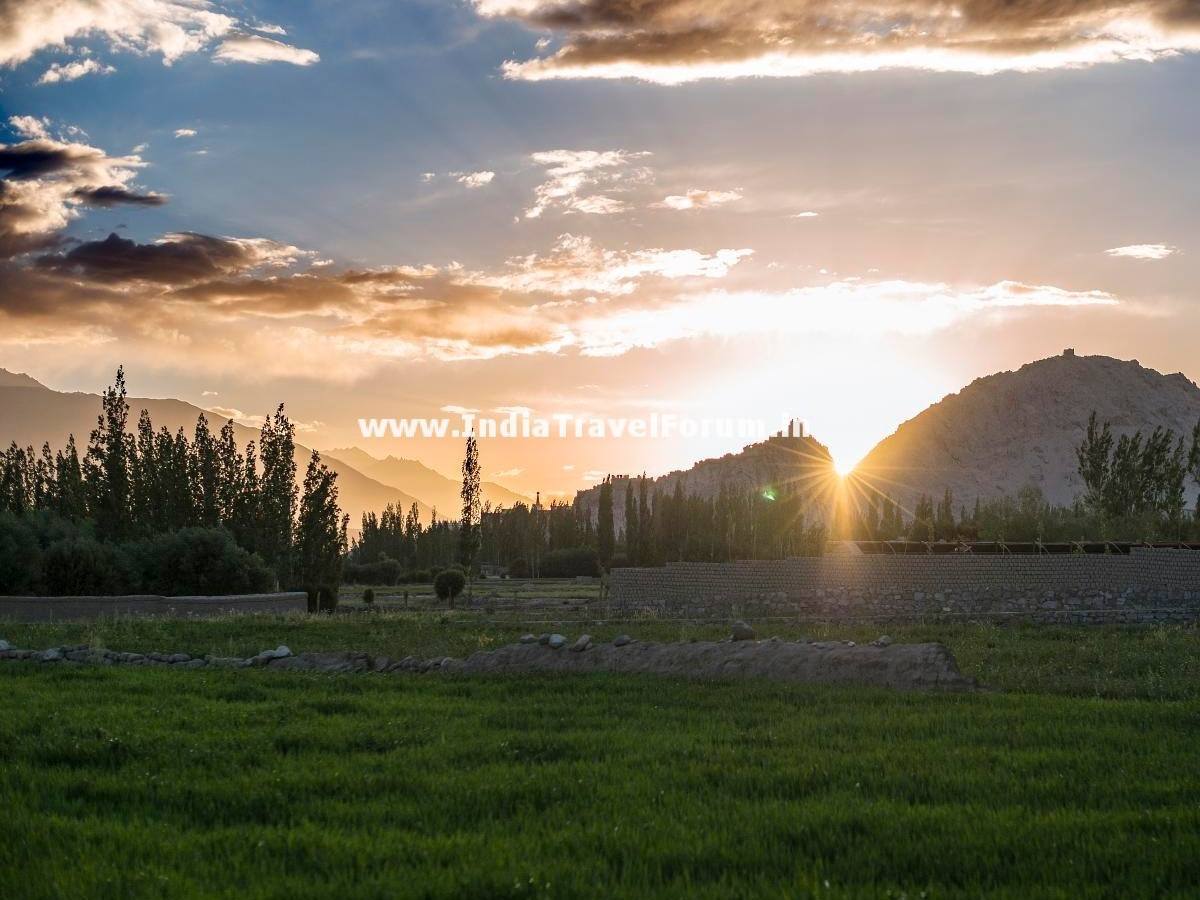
x=1140 y=587
x=57 y=609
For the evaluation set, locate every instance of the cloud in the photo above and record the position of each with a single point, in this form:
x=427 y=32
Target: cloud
x=850 y=307
x=256 y=421
x=175 y=259
x=572 y=175
x=30 y=126
x=1143 y=251
x=675 y=41
x=475 y=179
x=74 y=70
x=807 y=214
x=169 y=29
x=576 y=265
x=44 y=181
x=253 y=48
x=509 y=473
x=185 y=132
x=696 y=199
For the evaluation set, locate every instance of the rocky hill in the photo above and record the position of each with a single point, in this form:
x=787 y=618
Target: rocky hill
x=798 y=464
x=1008 y=430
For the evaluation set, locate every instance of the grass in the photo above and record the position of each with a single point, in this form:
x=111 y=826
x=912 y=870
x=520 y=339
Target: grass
x=1079 y=780
x=1112 y=661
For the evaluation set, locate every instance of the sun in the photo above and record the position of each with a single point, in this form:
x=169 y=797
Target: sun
x=844 y=467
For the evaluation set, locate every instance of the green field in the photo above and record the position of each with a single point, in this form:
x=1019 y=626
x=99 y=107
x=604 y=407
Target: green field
x=1079 y=776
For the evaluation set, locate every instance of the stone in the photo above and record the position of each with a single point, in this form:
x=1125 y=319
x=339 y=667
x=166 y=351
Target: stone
x=5 y=645
x=51 y=655
x=177 y=658
x=193 y=664
x=556 y=641
x=544 y=638
x=743 y=632
x=582 y=643
x=381 y=664
x=882 y=641
x=529 y=639
x=621 y=640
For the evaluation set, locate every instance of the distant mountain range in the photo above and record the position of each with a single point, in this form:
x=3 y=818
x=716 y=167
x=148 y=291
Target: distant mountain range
x=31 y=413
x=434 y=488
x=1012 y=429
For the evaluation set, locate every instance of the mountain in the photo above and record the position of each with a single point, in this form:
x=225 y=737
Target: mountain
x=793 y=462
x=1012 y=429
x=31 y=414
x=418 y=479
x=18 y=379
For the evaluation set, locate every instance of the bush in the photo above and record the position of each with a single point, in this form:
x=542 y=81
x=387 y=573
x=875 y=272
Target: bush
x=449 y=584
x=369 y=596
x=518 y=568
x=20 y=556
x=571 y=562
x=384 y=571
x=81 y=566
x=201 y=561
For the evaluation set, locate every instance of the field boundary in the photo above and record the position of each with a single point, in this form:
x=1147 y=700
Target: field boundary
x=61 y=609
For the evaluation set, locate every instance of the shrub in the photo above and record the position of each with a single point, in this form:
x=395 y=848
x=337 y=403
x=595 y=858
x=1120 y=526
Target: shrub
x=369 y=596
x=571 y=562
x=384 y=571
x=449 y=584
x=83 y=566
x=20 y=556
x=518 y=568
x=201 y=561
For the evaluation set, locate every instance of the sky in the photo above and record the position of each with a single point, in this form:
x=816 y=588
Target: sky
x=711 y=209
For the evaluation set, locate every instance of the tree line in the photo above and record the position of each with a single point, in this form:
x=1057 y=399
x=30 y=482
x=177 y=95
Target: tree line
x=567 y=539
x=1134 y=488
x=93 y=521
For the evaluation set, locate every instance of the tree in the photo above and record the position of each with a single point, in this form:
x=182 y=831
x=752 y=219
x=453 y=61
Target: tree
x=449 y=584
x=1092 y=457
x=320 y=537
x=277 y=494
x=206 y=475
x=468 y=527
x=605 y=539
x=106 y=465
x=70 y=498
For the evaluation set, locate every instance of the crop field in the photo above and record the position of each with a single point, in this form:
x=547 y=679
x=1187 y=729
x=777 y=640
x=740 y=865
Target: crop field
x=1079 y=775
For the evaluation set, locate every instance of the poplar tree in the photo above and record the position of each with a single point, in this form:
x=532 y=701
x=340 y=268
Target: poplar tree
x=468 y=526
x=106 y=465
x=277 y=494
x=605 y=539
x=320 y=537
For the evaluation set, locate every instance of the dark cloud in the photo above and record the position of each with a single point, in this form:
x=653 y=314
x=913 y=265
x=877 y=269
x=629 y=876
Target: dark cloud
x=178 y=259
x=112 y=195
x=678 y=40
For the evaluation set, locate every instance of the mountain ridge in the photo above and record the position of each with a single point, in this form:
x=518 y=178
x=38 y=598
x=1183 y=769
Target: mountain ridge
x=1042 y=409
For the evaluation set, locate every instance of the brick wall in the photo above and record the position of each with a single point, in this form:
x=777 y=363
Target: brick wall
x=1143 y=586
x=56 y=609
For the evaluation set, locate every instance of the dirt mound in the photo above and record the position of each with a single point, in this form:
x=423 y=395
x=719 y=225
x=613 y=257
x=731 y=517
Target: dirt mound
x=912 y=667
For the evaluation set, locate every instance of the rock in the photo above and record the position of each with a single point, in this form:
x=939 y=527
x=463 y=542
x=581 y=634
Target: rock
x=227 y=662
x=882 y=641
x=268 y=656
x=529 y=639
x=381 y=664
x=544 y=639
x=5 y=645
x=556 y=641
x=584 y=641
x=621 y=640
x=177 y=658
x=193 y=664
x=51 y=655
x=743 y=632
